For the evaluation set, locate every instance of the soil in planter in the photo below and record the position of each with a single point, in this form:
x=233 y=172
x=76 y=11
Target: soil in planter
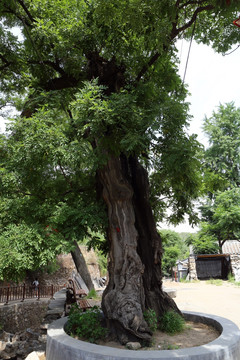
x=195 y=334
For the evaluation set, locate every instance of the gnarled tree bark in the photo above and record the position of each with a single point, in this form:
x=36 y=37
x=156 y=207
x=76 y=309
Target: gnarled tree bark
x=149 y=242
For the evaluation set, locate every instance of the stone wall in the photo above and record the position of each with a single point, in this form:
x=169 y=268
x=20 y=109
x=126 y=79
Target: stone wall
x=192 y=268
x=235 y=265
x=66 y=267
x=19 y=316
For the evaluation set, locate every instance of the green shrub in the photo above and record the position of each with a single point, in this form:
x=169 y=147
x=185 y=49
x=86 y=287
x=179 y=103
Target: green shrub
x=86 y=325
x=167 y=346
x=171 y=322
x=151 y=319
x=231 y=279
x=92 y=295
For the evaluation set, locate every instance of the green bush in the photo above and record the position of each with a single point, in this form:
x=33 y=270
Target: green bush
x=86 y=325
x=151 y=319
x=171 y=322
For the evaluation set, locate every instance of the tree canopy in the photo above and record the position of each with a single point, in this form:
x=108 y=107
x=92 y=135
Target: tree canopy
x=222 y=157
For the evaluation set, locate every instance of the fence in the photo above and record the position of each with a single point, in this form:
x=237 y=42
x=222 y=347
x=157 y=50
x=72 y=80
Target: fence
x=22 y=292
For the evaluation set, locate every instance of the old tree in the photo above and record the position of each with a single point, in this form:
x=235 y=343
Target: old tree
x=102 y=128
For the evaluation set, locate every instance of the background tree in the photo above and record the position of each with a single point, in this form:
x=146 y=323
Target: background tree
x=203 y=242
x=220 y=209
x=223 y=224
x=105 y=74
x=174 y=248
x=222 y=157
x=36 y=192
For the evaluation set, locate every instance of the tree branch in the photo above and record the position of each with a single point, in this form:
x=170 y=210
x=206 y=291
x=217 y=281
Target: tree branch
x=65 y=176
x=51 y=64
x=176 y=32
x=4 y=60
x=22 y=4
x=147 y=66
x=190 y=2
x=19 y=17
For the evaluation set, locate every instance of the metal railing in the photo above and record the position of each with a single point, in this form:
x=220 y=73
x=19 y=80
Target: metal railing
x=22 y=292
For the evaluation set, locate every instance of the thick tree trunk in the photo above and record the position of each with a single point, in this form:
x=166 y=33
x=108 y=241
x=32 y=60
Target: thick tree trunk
x=123 y=300
x=135 y=252
x=81 y=266
x=149 y=242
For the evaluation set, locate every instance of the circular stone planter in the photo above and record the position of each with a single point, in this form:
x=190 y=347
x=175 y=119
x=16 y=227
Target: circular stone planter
x=60 y=346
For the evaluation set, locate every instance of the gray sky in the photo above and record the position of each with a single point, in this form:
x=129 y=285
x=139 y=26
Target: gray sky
x=212 y=79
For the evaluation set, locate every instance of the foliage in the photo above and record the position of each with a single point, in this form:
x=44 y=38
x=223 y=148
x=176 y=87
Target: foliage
x=151 y=319
x=222 y=157
x=217 y=282
x=41 y=192
x=173 y=248
x=203 y=242
x=169 y=259
x=102 y=262
x=92 y=294
x=167 y=346
x=51 y=267
x=220 y=210
x=98 y=242
x=26 y=247
x=223 y=218
x=231 y=279
x=171 y=322
x=86 y=325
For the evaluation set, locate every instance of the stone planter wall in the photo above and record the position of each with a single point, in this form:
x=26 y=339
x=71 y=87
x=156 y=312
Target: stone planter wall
x=60 y=346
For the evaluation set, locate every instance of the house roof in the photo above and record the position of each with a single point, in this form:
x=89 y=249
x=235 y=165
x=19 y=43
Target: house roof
x=231 y=247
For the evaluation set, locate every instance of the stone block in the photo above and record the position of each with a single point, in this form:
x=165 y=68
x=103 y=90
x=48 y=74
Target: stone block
x=133 y=345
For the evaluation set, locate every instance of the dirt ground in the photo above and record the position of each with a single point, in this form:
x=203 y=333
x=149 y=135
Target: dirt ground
x=221 y=300
x=193 y=335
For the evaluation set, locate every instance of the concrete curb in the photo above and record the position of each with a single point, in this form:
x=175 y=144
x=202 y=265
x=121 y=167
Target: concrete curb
x=60 y=346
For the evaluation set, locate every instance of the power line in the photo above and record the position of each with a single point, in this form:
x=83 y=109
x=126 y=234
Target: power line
x=189 y=49
x=232 y=51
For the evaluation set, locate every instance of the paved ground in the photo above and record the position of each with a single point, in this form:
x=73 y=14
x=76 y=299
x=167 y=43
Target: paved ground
x=221 y=300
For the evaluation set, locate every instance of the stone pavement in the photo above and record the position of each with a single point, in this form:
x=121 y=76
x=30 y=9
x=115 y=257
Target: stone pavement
x=57 y=303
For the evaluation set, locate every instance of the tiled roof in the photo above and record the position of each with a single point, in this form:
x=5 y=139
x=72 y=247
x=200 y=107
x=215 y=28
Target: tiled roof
x=231 y=247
